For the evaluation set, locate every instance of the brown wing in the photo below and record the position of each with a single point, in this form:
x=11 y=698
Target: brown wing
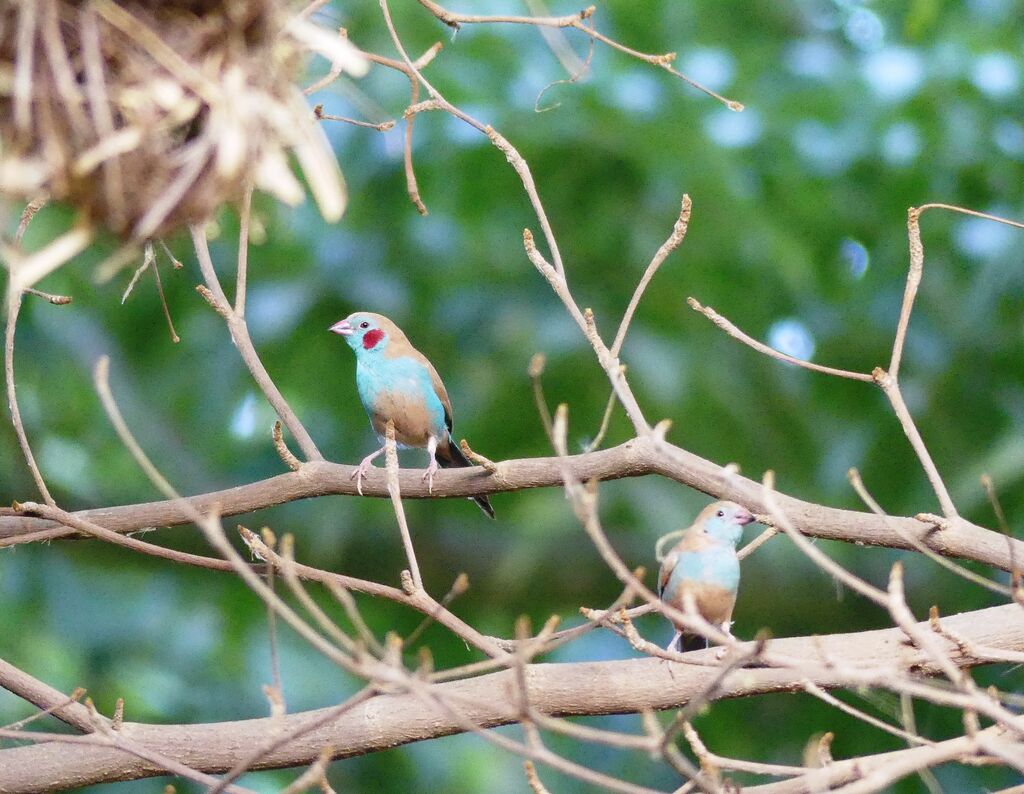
x=439 y=390
x=442 y=395
x=666 y=571
x=401 y=346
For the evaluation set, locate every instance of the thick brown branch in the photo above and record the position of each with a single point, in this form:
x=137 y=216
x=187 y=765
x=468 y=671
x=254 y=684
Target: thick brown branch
x=635 y=458
x=588 y=688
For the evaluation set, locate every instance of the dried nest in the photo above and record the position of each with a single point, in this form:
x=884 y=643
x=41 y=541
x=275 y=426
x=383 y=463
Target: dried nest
x=147 y=115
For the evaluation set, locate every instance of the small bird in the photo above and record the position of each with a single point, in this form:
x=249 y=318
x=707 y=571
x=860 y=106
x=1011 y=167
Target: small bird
x=704 y=564
x=396 y=381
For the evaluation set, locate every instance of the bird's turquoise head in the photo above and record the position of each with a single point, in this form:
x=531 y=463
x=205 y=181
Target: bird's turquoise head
x=366 y=332
x=723 y=522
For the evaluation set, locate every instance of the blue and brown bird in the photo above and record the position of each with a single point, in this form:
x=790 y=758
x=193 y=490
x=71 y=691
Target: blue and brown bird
x=396 y=381
x=704 y=565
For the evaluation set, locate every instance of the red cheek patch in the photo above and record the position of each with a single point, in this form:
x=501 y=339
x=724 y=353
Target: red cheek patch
x=371 y=338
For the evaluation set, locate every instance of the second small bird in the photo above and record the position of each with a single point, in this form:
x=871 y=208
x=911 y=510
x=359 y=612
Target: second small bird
x=704 y=565
x=396 y=381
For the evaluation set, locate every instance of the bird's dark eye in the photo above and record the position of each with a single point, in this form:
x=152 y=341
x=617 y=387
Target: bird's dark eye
x=720 y=513
x=364 y=324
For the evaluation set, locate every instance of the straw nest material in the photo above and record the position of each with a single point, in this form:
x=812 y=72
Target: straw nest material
x=148 y=115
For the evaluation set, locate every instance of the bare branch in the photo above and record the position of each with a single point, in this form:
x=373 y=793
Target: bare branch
x=965 y=573
x=557 y=689
x=13 y=309
x=240 y=336
x=670 y=245
x=577 y=21
x=760 y=347
x=635 y=458
x=395 y=492
x=892 y=391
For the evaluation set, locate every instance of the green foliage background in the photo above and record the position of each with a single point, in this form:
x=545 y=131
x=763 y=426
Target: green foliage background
x=854 y=113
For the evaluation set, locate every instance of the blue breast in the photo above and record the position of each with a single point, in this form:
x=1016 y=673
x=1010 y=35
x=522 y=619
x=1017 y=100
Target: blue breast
x=714 y=566
x=380 y=380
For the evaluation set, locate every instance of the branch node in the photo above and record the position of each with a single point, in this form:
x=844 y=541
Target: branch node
x=533 y=779
x=936 y=521
x=211 y=299
x=460 y=585
x=489 y=465
x=56 y=300
x=425 y=666
x=257 y=548
x=283 y=452
x=408 y=586
x=537 y=363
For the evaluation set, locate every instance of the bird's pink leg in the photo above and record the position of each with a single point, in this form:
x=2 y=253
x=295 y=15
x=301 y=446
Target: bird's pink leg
x=727 y=628
x=363 y=468
x=428 y=475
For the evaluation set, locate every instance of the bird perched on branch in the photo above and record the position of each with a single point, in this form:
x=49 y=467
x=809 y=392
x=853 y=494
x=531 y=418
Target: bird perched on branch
x=704 y=566
x=396 y=381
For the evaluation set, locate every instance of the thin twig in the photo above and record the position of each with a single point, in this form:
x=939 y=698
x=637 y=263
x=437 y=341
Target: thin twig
x=606 y=419
x=283 y=452
x=56 y=300
x=163 y=300
x=475 y=457
x=391 y=456
x=912 y=738
x=577 y=21
x=667 y=247
x=459 y=586
x=240 y=335
x=760 y=347
x=13 y=309
x=147 y=260
x=74 y=697
x=27 y=214
x=890 y=387
x=384 y=126
x=275 y=657
x=536 y=371
x=556 y=41
x=916 y=271
x=312 y=776
x=244 y=216
x=414 y=90
x=818 y=557
x=858 y=485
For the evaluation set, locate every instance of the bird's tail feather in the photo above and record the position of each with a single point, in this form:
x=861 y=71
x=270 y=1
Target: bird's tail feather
x=450 y=457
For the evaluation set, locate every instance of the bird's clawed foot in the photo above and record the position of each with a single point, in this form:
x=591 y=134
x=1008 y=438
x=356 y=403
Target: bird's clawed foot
x=428 y=475
x=363 y=469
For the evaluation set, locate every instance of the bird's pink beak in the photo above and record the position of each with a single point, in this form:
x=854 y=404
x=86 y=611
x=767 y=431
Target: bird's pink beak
x=743 y=518
x=342 y=327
